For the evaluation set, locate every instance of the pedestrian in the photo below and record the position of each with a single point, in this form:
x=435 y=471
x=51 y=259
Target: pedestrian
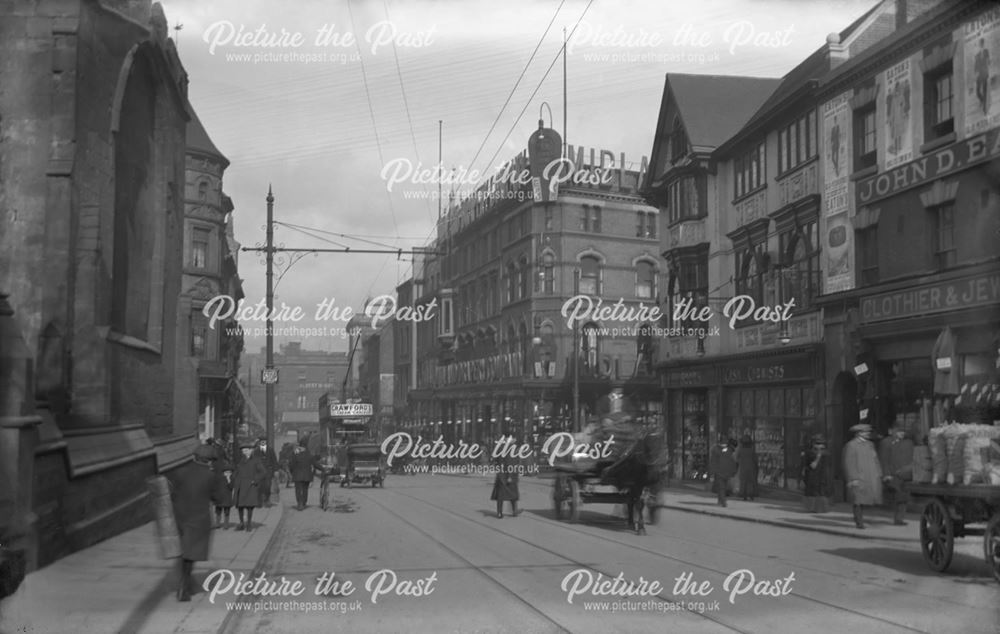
x=746 y=459
x=862 y=470
x=223 y=494
x=722 y=465
x=505 y=486
x=300 y=464
x=896 y=456
x=270 y=462
x=249 y=477
x=192 y=494
x=816 y=476
x=284 y=458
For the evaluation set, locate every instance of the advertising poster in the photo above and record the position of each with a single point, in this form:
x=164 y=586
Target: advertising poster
x=301 y=333
x=837 y=244
x=982 y=72
x=897 y=114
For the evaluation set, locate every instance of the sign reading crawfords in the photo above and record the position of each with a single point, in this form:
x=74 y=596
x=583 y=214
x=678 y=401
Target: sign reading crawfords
x=350 y=409
x=965 y=292
x=946 y=161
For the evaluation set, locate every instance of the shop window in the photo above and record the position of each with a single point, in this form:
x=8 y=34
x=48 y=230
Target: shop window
x=867 y=240
x=939 y=115
x=865 y=154
x=695 y=442
x=645 y=279
x=590 y=276
x=945 y=250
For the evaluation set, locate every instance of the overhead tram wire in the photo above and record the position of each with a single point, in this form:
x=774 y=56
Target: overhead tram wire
x=406 y=103
x=371 y=111
x=516 y=84
x=562 y=51
x=339 y=235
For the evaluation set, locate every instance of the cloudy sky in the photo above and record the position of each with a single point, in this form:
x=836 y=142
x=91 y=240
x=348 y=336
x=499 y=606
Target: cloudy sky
x=315 y=98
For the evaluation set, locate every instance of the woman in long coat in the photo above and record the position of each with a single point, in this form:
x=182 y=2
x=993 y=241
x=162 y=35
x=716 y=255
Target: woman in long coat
x=746 y=458
x=192 y=494
x=816 y=476
x=863 y=472
x=505 y=486
x=250 y=475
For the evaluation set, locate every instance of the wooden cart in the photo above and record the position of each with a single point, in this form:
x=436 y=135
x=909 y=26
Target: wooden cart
x=949 y=509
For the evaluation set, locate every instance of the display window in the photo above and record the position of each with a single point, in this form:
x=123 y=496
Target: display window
x=695 y=444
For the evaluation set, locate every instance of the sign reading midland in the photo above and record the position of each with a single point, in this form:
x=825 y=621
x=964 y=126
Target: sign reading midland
x=953 y=158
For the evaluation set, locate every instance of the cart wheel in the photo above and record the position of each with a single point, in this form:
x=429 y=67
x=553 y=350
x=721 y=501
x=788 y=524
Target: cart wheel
x=574 y=500
x=559 y=496
x=937 y=535
x=991 y=544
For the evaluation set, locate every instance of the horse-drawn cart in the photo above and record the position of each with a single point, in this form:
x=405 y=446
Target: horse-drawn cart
x=631 y=478
x=949 y=509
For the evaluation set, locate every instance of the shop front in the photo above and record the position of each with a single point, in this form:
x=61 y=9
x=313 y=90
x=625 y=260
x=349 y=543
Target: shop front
x=776 y=400
x=932 y=351
x=692 y=403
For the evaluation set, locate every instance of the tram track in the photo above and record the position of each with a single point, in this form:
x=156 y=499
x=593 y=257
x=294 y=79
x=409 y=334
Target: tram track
x=661 y=596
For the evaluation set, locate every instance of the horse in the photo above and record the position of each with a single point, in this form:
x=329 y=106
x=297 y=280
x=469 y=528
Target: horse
x=639 y=468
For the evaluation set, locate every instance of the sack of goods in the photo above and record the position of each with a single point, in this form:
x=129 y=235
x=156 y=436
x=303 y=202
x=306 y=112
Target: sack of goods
x=923 y=464
x=961 y=453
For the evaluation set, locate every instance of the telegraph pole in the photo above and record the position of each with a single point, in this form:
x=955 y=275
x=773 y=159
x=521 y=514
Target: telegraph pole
x=269 y=326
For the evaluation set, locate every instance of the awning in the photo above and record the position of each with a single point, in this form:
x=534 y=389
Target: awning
x=254 y=412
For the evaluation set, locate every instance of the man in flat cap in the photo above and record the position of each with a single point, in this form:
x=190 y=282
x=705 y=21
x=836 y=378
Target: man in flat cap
x=862 y=470
x=896 y=455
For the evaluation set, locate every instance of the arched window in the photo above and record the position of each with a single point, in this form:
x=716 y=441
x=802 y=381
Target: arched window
x=800 y=275
x=203 y=190
x=548 y=275
x=590 y=275
x=645 y=279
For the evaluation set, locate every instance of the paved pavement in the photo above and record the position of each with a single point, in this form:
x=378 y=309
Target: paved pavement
x=120 y=585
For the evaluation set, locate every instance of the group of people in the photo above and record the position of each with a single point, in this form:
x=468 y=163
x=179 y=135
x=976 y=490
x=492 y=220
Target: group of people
x=729 y=459
x=872 y=475
x=211 y=481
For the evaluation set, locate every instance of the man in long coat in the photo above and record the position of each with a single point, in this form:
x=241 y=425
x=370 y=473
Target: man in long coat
x=249 y=477
x=722 y=465
x=300 y=465
x=896 y=454
x=862 y=470
x=192 y=495
x=270 y=461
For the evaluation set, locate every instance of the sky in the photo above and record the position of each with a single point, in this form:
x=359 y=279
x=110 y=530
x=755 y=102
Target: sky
x=336 y=106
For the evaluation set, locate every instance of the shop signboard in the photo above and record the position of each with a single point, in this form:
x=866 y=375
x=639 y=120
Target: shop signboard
x=765 y=371
x=937 y=297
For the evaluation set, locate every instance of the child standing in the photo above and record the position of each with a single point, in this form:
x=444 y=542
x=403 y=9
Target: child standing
x=223 y=494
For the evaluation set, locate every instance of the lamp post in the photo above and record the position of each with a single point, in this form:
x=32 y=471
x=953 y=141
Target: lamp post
x=576 y=359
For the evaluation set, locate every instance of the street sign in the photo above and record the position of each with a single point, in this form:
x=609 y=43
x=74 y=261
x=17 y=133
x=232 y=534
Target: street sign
x=342 y=410
x=269 y=376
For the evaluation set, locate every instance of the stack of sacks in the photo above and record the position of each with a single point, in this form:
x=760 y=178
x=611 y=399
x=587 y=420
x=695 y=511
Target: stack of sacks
x=939 y=457
x=923 y=465
x=958 y=453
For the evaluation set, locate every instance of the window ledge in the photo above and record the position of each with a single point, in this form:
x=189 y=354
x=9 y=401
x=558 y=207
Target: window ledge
x=938 y=142
x=750 y=193
x=864 y=173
